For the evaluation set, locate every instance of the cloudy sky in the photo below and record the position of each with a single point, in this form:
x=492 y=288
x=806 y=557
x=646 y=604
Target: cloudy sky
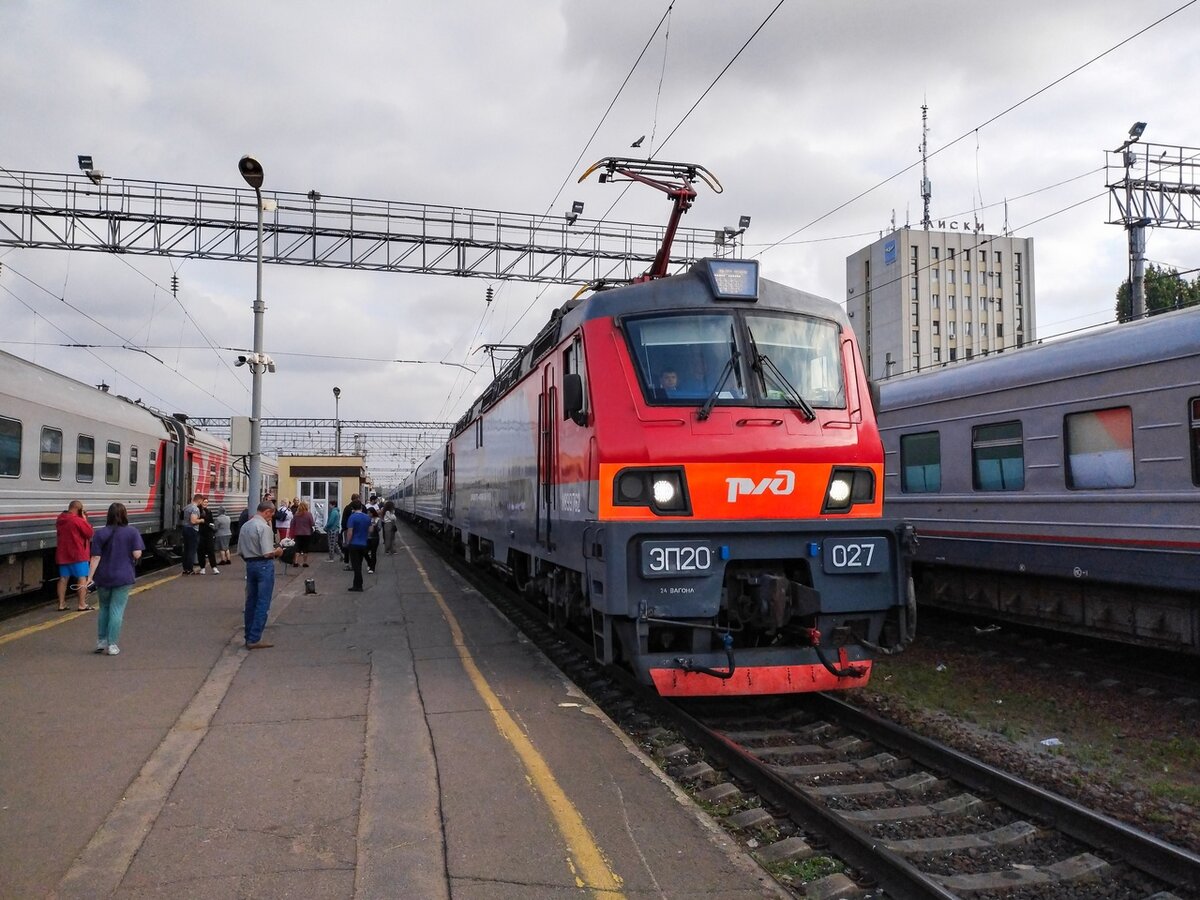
x=489 y=105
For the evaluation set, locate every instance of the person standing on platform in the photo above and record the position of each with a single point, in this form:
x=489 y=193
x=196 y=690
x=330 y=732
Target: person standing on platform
x=224 y=532
x=71 y=553
x=389 y=527
x=116 y=549
x=333 y=528
x=191 y=534
x=354 y=536
x=346 y=517
x=206 y=539
x=302 y=532
x=372 y=555
x=283 y=521
x=256 y=546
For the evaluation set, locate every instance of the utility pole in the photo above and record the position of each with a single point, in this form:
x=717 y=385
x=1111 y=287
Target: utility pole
x=926 y=187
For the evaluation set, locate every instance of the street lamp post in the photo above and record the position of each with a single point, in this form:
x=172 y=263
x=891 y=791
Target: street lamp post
x=252 y=172
x=337 y=422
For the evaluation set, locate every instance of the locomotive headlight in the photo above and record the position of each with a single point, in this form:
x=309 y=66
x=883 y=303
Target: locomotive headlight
x=839 y=490
x=663 y=491
x=846 y=487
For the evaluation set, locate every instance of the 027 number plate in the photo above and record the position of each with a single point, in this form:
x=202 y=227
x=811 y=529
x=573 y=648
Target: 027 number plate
x=675 y=559
x=853 y=556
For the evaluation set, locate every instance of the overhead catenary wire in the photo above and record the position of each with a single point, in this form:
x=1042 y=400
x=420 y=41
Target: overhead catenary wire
x=976 y=128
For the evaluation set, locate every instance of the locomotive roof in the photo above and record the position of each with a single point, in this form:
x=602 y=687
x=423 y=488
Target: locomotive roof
x=1116 y=346
x=688 y=289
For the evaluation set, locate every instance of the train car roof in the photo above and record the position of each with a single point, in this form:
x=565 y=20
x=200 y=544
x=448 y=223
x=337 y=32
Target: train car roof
x=1115 y=346
x=29 y=381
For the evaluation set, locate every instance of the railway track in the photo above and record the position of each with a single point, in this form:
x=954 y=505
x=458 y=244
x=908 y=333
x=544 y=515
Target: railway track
x=812 y=785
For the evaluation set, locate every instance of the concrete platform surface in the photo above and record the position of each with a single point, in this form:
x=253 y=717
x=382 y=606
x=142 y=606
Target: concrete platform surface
x=405 y=742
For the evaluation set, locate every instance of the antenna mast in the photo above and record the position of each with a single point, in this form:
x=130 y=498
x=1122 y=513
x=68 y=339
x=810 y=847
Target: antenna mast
x=926 y=187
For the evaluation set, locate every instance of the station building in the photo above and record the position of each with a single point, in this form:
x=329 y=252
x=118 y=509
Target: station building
x=919 y=298
x=322 y=481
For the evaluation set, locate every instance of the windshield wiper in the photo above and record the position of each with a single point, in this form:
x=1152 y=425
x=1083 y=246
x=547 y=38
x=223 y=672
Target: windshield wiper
x=762 y=365
x=706 y=410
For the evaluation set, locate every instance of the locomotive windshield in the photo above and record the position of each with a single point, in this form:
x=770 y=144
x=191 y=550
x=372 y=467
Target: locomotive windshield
x=744 y=359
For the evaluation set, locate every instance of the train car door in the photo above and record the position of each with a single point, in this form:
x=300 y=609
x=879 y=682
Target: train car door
x=547 y=456
x=447 y=483
x=175 y=478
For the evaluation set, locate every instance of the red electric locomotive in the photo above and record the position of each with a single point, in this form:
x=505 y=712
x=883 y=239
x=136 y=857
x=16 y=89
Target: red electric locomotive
x=688 y=469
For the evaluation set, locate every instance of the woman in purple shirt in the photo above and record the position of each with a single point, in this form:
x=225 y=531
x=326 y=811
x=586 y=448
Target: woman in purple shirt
x=116 y=548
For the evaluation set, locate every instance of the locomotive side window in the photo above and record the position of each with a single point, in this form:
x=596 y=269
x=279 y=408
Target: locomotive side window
x=85 y=458
x=572 y=364
x=50 y=455
x=133 y=465
x=112 y=463
x=997 y=457
x=10 y=448
x=921 y=463
x=1099 y=448
x=1195 y=405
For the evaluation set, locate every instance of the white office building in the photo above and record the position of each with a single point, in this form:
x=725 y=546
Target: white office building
x=921 y=298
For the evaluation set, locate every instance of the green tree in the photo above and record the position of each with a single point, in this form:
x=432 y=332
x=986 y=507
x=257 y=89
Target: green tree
x=1166 y=289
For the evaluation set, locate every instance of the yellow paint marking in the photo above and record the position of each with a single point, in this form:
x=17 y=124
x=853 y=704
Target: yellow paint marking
x=588 y=865
x=74 y=614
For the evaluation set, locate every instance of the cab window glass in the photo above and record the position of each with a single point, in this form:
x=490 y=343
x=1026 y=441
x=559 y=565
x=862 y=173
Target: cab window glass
x=804 y=351
x=682 y=358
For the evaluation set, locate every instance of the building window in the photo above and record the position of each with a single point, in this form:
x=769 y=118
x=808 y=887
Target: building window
x=953 y=354
x=112 y=463
x=970 y=353
x=934 y=252
x=933 y=275
x=983 y=256
x=10 y=448
x=321 y=495
x=50 y=455
x=967 y=329
x=133 y=465
x=85 y=458
x=937 y=354
x=999 y=329
x=950 y=274
x=950 y=302
x=950 y=251
x=997 y=259
x=937 y=327
x=921 y=463
x=999 y=280
x=997 y=457
x=1099 y=448
x=936 y=301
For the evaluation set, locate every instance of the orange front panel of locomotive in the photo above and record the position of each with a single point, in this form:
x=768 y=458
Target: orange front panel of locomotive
x=741 y=491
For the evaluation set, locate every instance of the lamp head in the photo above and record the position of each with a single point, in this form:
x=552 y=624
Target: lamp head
x=241 y=360
x=1136 y=131
x=85 y=162
x=744 y=222
x=252 y=171
x=337 y=392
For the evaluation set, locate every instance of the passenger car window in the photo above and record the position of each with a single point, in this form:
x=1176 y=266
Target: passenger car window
x=85 y=458
x=1099 y=448
x=50 y=455
x=133 y=465
x=921 y=463
x=112 y=463
x=997 y=457
x=10 y=448
x=1194 y=403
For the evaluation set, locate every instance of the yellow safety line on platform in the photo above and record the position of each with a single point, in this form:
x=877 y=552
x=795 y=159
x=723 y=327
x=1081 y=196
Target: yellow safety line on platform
x=592 y=870
x=74 y=614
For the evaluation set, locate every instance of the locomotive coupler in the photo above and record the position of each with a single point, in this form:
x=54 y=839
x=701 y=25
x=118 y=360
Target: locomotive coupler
x=687 y=665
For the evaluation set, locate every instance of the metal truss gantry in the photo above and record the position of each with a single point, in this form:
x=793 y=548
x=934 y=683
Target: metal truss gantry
x=393 y=448
x=1150 y=185
x=74 y=212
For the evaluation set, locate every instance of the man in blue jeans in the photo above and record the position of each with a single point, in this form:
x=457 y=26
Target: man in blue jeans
x=256 y=547
x=357 y=528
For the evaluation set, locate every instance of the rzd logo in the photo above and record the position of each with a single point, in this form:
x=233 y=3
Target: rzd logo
x=781 y=485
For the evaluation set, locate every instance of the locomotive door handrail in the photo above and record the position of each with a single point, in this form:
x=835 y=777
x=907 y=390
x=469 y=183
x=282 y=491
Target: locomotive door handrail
x=546 y=456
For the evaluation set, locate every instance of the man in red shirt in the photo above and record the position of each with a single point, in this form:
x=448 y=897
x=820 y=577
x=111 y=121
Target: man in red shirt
x=73 y=553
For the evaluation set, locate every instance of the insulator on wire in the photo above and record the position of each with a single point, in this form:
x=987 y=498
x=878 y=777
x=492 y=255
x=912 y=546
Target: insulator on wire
x=490 y=294
x=174 y=285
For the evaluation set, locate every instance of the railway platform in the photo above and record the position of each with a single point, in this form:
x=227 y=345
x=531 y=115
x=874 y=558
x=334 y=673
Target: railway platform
x=403 y=742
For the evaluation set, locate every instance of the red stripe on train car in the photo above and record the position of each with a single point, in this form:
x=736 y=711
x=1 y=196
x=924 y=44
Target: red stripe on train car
x=756 y=680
